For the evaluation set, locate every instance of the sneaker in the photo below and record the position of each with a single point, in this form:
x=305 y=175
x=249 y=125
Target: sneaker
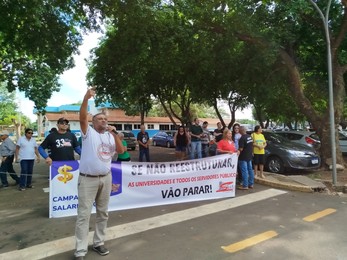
x=21 y=188
x=101 y=250
x=30 y=186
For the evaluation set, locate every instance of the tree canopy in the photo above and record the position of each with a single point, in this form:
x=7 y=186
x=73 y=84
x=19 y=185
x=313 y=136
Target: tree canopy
x=8 y=109
x=271 y=54
x=37 y=40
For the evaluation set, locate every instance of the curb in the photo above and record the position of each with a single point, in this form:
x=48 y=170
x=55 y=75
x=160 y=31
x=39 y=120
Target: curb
x=281 y=185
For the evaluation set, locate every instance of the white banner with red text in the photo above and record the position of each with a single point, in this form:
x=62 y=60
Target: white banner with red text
x=141 y=184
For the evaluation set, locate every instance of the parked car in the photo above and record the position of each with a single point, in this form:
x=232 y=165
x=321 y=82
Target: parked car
x=164 y=138
x=130 y=139
x=343 y=141
x=78 y=135
x=282 y=154
x=311 y=138
x=302 y=137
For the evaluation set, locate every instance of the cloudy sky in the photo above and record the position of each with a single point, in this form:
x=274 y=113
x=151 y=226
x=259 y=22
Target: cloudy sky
x=74 y=83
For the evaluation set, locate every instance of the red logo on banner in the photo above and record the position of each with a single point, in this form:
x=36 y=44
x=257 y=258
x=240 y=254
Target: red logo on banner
x=225 y=186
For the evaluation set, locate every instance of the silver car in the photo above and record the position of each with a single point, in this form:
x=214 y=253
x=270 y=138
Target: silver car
x=311 y=138
x=343 y=141
x=302 y=137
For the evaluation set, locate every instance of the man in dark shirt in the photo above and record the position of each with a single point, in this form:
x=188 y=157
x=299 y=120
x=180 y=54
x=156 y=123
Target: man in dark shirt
x=245 y=159
x=61 y=143
x=143 y=140
x=196 y=134
x=218 y=132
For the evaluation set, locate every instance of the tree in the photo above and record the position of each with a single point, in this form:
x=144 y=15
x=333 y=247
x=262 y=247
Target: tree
x=144 y=54
x=8 y=111
x=290 y=31
x=37 y=40
x=7 y=105
x=266 y=52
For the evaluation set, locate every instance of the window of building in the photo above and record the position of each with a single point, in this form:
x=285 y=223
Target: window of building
x=137 y=126
x=128 y=127
x=150 y=126
x=173 y=127
x=164 y=127
x=119 y=126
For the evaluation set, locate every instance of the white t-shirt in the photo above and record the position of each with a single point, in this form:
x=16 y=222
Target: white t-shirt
x=26 y=148
x=97 y=152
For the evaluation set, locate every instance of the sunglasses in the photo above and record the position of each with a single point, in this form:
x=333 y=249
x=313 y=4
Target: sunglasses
x=30 y=133
x=63 y=123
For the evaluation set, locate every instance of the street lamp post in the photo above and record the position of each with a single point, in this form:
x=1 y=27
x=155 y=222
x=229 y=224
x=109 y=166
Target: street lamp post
x=325 y=19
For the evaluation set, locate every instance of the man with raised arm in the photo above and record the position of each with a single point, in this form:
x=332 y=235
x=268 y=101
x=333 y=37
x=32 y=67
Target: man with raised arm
x=99 y=143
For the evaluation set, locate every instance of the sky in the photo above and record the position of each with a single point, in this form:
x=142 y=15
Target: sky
x=74 y=83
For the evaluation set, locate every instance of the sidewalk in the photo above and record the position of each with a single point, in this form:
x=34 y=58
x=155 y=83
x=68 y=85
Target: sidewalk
x=291 y=182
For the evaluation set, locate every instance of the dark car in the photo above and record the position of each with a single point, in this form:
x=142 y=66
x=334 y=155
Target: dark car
x=164 y=138
x=281 y=154
x=130 y=138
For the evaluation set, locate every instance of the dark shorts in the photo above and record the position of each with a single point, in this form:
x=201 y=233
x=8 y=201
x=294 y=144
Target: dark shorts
x=181 y=148
x=259 y=159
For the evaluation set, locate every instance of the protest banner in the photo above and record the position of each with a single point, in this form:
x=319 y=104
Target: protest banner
x=136 y=185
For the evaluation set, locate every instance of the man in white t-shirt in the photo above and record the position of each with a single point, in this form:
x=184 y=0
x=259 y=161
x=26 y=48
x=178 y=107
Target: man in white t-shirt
x=26 y=149
x=99 y=143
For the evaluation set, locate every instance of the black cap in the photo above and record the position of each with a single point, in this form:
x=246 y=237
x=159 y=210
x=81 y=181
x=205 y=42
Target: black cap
x=61 y=120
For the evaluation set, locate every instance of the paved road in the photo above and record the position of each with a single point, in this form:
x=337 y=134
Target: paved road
x=174 y=232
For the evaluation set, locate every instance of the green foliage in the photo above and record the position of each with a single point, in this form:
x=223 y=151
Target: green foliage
x=187 y=52
x=8 y=109
x=37 y=40
x=8 y=105
x=197 y=110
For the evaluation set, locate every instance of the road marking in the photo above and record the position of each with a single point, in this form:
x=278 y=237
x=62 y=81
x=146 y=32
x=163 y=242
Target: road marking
x=250 y=241
x=319 y=215
x=45 y=189
x=67 y=244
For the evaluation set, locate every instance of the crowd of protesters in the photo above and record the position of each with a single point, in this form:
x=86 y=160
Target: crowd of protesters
x=197 y=141
x=193 y=142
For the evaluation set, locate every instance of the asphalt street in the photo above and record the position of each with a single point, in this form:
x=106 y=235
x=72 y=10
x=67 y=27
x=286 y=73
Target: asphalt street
x=263 y=223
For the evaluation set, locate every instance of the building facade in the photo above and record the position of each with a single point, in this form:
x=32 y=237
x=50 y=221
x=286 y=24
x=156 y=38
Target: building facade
x=116 y=117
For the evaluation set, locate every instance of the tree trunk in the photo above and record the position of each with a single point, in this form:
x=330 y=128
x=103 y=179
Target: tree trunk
x=142 y=115
x=232 y=109
x=18 y=128
x=267 y=123
x=259 y=115
x=186 y=115
x=319 y=122
x=215 y=106
x=167 y=111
